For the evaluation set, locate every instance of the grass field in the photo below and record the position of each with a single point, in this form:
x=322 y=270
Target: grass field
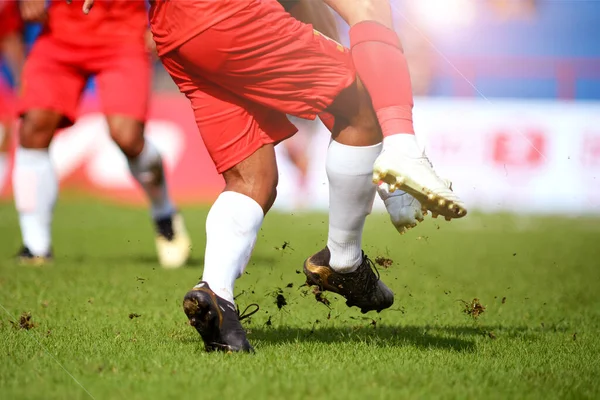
x=107 y=321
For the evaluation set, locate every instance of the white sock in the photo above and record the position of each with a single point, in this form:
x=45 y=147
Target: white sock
x=3 y=170
x=403 y=144
x=147 y=168
x=351 y=195
x=232 y=225
x=35 y=189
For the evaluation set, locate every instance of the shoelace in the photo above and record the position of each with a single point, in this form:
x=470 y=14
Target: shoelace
x=365 y=278
x=243 y=315
x=372 y=265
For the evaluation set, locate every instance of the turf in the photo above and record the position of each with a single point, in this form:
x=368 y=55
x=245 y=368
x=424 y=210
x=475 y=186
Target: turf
x=106 y=321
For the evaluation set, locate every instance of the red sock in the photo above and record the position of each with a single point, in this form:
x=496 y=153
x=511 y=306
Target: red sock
x=382 y=68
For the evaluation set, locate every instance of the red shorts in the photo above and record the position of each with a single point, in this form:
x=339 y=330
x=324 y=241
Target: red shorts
x=55 y=75
x=245 y=73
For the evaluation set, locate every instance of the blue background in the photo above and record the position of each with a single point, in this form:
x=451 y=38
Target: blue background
x=560 y=30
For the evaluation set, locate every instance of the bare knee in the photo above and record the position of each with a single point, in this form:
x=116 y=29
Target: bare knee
x=128 y=134
x=38 y=128
x=260 y=188
x=255 y=177
x=359 y=126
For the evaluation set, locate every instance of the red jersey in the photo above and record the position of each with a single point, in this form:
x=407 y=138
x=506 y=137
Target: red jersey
x=109 y=23
x=174 y=22
x=10 y=17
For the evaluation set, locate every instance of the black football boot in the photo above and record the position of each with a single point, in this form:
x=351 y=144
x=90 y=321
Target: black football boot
x=216 y=320
x=361 y=288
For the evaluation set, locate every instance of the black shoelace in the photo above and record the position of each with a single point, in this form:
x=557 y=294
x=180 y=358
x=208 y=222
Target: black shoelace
x=366 y=277
x=245 y=314
x=371 y=265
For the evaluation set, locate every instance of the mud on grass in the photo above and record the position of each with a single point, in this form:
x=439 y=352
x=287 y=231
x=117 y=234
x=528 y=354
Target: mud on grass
x=24 y=322
x=473 y=308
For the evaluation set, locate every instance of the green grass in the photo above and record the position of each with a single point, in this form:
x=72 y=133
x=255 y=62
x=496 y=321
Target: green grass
x=542 y=341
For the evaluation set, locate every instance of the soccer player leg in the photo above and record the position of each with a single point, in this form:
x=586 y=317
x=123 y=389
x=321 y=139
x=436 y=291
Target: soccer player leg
x=342 y=267
x=278 y=44
x=377 y=52
x=173 y=244
x=232 y=227
x=286 y=66
x=244 y=153
x=50 y=94
x=404 y=210
x=123 y=85
x=35 y=184
x=239 y=136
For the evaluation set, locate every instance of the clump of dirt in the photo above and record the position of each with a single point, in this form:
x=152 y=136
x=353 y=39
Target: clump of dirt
x=320 y=297
x=280 y=301
x=474 y=308
x=384 y=262
x=503 y=300
x=284 y=246
x=134 y=315
x=25 y=322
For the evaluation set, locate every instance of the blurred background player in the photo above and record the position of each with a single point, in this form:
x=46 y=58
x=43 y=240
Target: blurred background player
x=110 y=46
x=12 y=55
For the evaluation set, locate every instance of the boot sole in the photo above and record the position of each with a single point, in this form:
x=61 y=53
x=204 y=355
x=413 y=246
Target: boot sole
x=430 y=201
